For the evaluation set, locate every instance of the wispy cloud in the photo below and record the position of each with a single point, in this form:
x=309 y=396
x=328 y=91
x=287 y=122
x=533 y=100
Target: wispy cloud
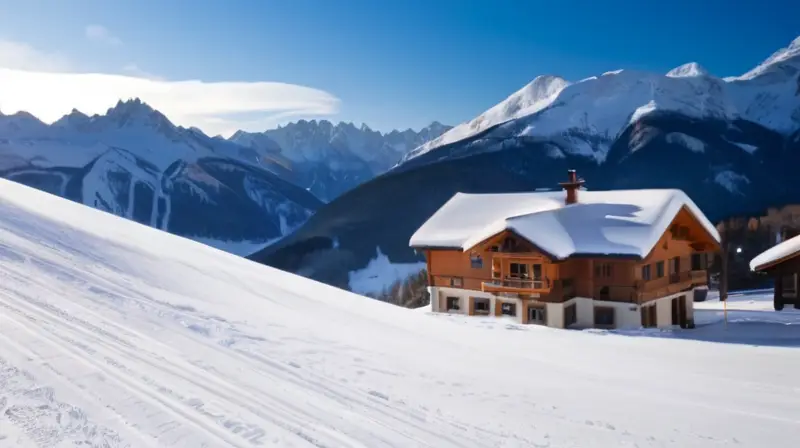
x=17 y=55
x=45 y=86
x=134 y=70
x=99 y=33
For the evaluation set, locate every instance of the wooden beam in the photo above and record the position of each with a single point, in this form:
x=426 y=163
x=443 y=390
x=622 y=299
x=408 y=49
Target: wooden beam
x=428 y=261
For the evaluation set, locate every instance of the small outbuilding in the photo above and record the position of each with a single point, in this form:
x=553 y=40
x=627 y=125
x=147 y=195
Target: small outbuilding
x=782 y=263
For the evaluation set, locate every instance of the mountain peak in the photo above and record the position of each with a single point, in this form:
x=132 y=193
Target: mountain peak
x=75 y=117
x=435 y=124
x=137 y=111
x=688 y=70
x=784 y=54
x=534 y=96
x=129 y=106
x=795 y=43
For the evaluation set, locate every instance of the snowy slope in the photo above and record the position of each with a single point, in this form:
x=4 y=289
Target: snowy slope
x=592 y=112
x=329 y=159
x=114 y=334
x=133 y=162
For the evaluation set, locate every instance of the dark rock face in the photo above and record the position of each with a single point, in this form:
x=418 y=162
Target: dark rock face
x=715 y=162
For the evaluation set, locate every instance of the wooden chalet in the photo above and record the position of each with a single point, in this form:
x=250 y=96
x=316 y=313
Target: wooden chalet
x=782 y=263
x=572 y=258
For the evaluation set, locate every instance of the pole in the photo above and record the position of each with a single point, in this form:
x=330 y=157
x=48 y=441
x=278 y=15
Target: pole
x=723 y=280
x=725 y=312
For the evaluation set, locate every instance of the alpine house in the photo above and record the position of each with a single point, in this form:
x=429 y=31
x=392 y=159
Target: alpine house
x=782 y=263
x=572 y=258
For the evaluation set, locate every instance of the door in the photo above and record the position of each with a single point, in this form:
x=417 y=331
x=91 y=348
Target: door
x=536 y=315
x=683 y=315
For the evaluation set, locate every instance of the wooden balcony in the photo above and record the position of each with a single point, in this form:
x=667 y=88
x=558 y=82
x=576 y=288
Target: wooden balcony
x=527 y=256
x=652 y=289
x=517 y=286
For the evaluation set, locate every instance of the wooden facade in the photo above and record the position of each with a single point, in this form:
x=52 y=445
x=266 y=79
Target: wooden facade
x=507 y=264
x=785 y=273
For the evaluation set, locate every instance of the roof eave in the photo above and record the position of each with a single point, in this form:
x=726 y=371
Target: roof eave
x=605 y=255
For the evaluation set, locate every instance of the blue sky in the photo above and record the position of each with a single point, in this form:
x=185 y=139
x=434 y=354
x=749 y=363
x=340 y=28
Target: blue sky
x=404 y=63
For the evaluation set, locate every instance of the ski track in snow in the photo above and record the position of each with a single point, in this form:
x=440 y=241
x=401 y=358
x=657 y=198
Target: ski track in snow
x=113 y=334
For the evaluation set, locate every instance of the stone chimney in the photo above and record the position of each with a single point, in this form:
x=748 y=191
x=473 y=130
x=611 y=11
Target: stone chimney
x=571 y=187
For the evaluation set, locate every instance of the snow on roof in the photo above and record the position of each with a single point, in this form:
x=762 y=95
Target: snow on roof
x=620 y=222
x=776 y=253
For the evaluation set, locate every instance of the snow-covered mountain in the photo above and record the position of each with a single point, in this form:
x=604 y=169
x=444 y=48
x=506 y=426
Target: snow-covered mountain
x=587 y=116
x=115 y=335
x=329 y=159
x=133 y=162
x=731 y=144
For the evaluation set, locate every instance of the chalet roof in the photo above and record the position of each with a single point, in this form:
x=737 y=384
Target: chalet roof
x=776 y=254
x=619 y=222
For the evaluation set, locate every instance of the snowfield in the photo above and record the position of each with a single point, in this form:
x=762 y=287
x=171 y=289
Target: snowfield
x=114 y=334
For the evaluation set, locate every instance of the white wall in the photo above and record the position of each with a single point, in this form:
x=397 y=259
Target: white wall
x=627 y=315
x=555 y=314
x=439 y=296
x=434 y=292
x=664 y=307
x=584 y=308
x=664 y=312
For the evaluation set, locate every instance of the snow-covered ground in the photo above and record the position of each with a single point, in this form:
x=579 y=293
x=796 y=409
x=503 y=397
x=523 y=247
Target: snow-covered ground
x=113 y=334
x=380 y=274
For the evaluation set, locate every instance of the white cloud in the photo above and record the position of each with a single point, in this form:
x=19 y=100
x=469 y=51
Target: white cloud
x=40 y=84
x=21 y=56
x=134 y=70
x=101 y=34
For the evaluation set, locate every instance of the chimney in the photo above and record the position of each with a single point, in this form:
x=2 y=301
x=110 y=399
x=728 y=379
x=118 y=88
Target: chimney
x=571 y=187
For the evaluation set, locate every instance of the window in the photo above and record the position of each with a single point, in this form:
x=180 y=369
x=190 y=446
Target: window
x=659 y=269
x=475 y=261
x=494 y=248
x=602 y=270
x=536 y=315
x=698 y=262
x=680 y=232
x=518 y=270
x=603 y=316
x=456 y=282
x=481 y=306
x=675 y=265
x=452 y=304
x=509 y=245
x=570 y=315
x=537 y=272
x=646 y=272
x=508 y=309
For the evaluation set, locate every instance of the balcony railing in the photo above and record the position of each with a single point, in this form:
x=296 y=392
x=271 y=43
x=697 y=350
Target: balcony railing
x=517 y=285
x=651 y=289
